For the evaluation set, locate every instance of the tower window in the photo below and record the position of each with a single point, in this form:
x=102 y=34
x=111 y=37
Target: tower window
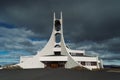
x=58 y=37
x=57 y=46
x=57 y=25
x=57 y=53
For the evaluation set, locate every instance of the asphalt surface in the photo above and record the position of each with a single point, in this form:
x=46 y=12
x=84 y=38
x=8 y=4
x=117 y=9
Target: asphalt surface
x=57 y=74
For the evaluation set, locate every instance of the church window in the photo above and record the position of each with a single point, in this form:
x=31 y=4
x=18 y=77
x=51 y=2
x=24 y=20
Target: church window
x=58 y=37
x=57 y=46
x=57 y=25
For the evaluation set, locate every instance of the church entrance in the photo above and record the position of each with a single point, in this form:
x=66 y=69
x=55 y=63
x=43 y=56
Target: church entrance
x=54 y=64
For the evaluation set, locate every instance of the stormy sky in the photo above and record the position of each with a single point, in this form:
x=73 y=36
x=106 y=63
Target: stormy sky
x=92 y=25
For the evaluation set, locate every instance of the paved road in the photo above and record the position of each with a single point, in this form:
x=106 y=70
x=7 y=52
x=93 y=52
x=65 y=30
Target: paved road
x=57 y=74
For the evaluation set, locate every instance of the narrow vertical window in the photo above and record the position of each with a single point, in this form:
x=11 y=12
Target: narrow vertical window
x=57 y=25
x=58 y=37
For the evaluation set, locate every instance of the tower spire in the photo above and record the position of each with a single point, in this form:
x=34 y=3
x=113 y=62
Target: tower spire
x=54 y=16
x=61 y=15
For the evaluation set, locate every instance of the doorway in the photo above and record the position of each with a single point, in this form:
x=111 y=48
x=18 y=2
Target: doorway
x=54 y=64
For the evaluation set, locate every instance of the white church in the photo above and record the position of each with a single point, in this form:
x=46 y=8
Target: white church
x=56 y=54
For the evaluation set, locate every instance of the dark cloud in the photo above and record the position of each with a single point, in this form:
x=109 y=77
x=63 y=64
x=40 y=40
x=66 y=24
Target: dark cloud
x=12 y=39
x=88 y=24
x=92 y=20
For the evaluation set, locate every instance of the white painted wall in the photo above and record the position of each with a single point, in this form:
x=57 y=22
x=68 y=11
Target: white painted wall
x=53 y=58
x=31 y=62
x=85 y=58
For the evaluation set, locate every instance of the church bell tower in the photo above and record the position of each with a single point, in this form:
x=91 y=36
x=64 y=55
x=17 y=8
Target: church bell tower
x=56 y=44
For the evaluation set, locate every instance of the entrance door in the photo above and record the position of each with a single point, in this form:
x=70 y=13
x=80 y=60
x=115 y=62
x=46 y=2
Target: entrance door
x=54 y=64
